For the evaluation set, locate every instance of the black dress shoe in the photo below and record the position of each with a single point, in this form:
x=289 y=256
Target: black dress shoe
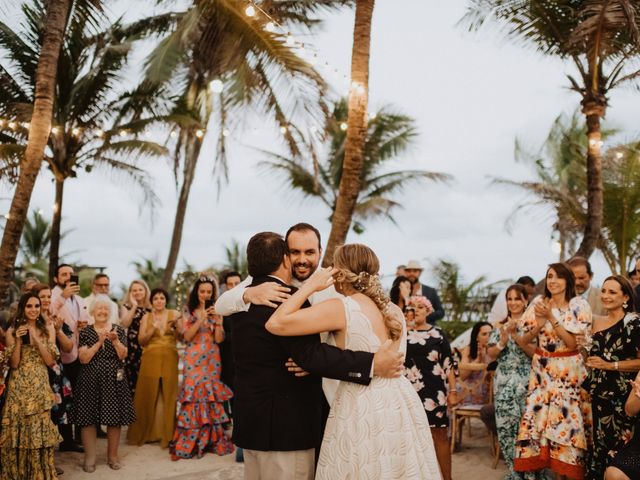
x=71 y=447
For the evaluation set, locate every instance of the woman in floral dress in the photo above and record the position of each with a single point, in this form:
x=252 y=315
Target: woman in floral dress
x=60 y=384
x=136 y=306
x=555 y=426
x=201 y=420
x=429 y=366
x=512 y=375
x=613 y=360
x=29 y=437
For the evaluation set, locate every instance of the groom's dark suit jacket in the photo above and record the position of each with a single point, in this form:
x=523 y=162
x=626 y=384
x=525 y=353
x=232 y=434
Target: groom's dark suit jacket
x=273 y=409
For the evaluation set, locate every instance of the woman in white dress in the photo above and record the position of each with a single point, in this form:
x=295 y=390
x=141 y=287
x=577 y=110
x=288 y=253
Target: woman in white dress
x=378 y=431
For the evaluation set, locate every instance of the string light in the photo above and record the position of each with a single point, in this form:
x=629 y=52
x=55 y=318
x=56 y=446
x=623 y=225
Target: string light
x=122 y=132
x=199 y=133
x=99 y=133
x=12 y=125
x=283 y=129
x=270 y=27
x=173 y=134
x=250 y=11
x=619 y=155
x=55 y=130
x=75 y=132
x=343 y=126
x=216 y=86
x=225 y=133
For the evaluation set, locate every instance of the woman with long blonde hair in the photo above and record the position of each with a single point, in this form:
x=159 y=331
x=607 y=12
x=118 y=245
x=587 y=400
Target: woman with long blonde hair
x=136 y=305
x=376 y=431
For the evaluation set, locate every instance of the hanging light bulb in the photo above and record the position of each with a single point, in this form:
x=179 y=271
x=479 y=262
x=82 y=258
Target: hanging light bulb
x=270 y=27
x=216 y=86
x=12 y=125
x=122 y=132
x=619 y=155
x=250 y=11
x=173 y=134
x=225 y=133
x=75 y=132
x=344 y=126
x=99 y=133
x=283 y=129
x=55 y=130
x=199 y=133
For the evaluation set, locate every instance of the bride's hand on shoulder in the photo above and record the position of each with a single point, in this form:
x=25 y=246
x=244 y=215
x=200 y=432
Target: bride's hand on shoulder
x=322 y=278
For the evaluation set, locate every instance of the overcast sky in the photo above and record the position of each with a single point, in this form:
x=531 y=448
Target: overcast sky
x=471 y=95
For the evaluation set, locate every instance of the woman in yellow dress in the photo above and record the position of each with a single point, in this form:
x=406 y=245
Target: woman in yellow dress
x=157 y=388
x=29 y=437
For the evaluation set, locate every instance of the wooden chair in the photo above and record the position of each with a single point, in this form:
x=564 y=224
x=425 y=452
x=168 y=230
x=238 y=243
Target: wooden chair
x=460 y=415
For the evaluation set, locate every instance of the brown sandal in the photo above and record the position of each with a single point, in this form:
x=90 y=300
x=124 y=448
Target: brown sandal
x=114 y=464
x=89 y=468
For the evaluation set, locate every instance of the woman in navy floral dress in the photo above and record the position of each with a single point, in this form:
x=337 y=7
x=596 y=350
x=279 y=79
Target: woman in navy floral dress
x=430 y=368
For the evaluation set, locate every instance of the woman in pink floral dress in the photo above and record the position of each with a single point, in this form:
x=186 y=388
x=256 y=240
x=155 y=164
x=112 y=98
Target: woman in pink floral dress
x=555 y=426
x=201 y=420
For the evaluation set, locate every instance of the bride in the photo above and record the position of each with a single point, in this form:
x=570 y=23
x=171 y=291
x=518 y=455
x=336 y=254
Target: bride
x=378 y=431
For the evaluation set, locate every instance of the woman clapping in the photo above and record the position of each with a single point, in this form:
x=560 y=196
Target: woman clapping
x=29 y=437
x=613 y=360
x=102 y=395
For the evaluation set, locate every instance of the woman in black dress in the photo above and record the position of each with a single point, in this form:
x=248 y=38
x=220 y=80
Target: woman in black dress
x=626 y=464
x=102 y=395
x=430 y=368
x=137 y=304
x=613 y=359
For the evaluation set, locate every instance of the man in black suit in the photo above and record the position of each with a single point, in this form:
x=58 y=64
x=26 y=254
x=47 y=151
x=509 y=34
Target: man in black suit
x=412 y=271
x=278 y=416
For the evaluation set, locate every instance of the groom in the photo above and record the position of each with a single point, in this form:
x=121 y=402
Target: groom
x=278 y=416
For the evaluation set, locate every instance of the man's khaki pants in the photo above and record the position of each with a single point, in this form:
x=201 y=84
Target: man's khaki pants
x=294 y=465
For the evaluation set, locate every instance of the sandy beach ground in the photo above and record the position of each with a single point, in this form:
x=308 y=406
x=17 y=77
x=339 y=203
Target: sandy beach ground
x=149 y=462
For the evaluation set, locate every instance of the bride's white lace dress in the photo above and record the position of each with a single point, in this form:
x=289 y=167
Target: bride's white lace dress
x=378 y=431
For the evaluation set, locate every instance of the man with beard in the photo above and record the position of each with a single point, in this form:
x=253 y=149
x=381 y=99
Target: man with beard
x=412 y=271
x=303 y=241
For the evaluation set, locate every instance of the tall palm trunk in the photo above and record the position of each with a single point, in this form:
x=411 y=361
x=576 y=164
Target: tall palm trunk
x=357 y=122
x=188 y=175
x=57 y=14
x=54 y=248
x=594 y=111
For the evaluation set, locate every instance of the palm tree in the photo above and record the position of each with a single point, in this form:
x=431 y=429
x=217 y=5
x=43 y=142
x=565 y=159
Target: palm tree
x=389 y=134
x=620 y=241
x=35 y=244
x=40 y=125
x=356 y=130
x=84 y=135
x=148 y=270
x=236 y=258
x=560 y=187
x=601 y=38
x=216 y=40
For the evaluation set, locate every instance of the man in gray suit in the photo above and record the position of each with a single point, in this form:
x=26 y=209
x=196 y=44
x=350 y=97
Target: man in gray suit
x=581 y=269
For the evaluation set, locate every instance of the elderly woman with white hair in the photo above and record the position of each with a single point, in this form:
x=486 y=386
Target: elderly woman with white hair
x=102 y=395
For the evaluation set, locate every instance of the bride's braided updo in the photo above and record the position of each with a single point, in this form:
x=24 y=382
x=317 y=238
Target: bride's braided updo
x=358 y=267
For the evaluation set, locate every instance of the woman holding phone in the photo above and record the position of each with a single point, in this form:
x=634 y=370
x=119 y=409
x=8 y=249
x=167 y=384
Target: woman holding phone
x=201 y=420
x=157 y=389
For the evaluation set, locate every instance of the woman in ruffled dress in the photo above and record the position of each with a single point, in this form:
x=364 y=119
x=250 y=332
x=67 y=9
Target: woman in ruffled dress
x=29 y=437
x=555 y=427
x=202 y=423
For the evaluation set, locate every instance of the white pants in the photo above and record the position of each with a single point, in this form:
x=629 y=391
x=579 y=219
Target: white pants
x=293 y=465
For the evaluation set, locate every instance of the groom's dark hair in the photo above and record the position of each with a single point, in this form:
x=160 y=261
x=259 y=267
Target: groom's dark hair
x=265 y=252
x=304 y=227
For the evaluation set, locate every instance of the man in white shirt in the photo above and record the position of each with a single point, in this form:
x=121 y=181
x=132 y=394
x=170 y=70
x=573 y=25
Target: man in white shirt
x=65 y=296
x=583 y=274
x=303 y=241
x=100 y=286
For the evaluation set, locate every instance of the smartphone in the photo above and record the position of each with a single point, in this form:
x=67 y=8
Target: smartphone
x=74 y=279
x=208 y=303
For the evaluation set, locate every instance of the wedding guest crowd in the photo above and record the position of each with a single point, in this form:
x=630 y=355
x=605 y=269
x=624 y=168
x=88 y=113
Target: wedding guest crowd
x=566 y=387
